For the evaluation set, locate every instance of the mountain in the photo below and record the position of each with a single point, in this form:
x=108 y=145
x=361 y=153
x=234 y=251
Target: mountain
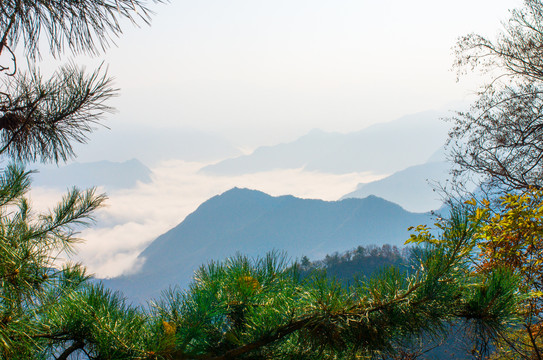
x=111 y=175
x=411 y=188
x=253 y=223
x=381 y=148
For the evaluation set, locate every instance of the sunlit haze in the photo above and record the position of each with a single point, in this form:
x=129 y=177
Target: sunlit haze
x=260 y=72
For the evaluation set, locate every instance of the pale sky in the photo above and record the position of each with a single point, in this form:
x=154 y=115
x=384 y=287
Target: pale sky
x=261 y=71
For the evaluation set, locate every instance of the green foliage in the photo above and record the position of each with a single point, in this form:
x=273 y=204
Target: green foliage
x=41 y=118
x=29 y=247
x=364 y=261
x=84 y=26
x=98 y=321
x=265 y=309
x=46 y=312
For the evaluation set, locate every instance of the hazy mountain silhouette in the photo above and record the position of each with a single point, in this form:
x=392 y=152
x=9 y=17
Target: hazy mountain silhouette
x=412 y=188
x=381 y=148
x=110 y=175
x=253 y=223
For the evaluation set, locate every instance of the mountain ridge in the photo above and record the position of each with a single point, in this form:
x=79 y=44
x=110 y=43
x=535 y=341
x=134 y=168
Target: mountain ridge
x=412 y=188
x=253 y=223
x=371 y=149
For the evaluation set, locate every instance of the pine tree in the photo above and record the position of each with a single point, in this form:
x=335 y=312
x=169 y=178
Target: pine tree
x=39 y=121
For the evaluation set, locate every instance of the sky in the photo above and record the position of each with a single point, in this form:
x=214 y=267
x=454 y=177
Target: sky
x=260 y=72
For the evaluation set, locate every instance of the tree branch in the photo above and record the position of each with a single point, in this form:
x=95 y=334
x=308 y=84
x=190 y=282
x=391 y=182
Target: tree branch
x=78 y=344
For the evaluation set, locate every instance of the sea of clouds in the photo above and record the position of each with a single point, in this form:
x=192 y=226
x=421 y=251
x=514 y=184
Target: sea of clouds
x=132 y=218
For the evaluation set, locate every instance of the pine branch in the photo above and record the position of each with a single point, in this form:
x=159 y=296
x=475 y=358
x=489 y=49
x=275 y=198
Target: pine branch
x=77 y=345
